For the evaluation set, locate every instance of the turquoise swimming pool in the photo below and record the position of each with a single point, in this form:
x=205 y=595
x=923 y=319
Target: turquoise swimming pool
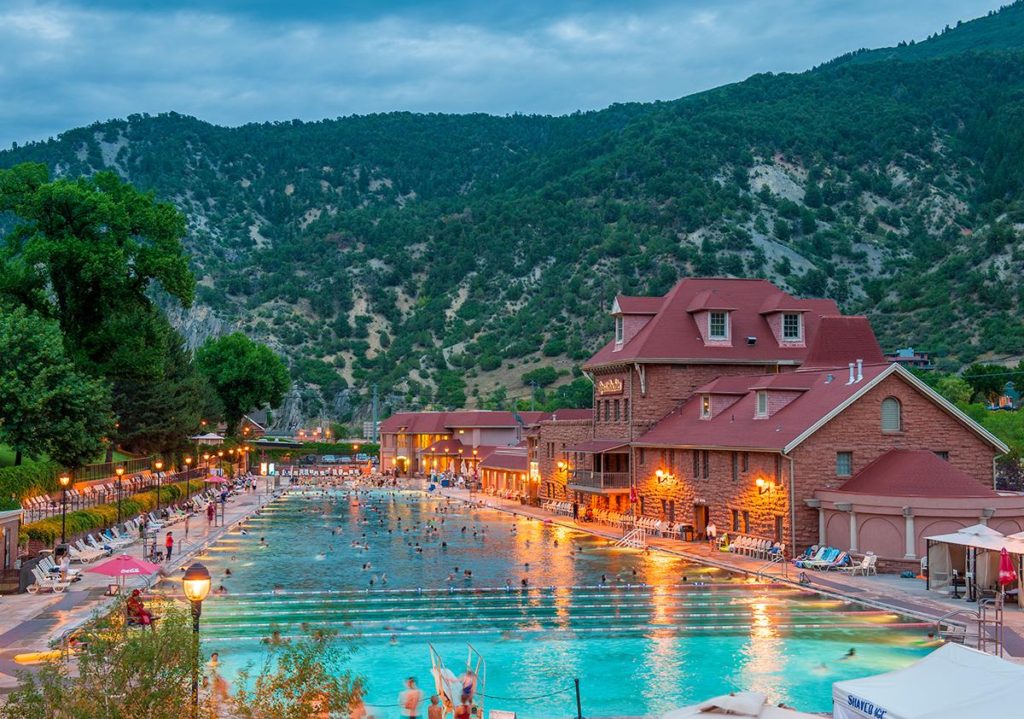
x=644 y=633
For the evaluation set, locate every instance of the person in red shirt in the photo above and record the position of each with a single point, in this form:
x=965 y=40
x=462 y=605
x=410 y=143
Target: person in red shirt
x=210 y=511
x=169 y=545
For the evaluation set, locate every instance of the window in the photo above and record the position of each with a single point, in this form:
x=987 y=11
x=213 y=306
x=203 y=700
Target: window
x=643 y=456
x=671 y=459
x=718 y=325
x=735 y=520
x=762 y=404
x=746 y=461
x=607 y=409
x=735 y=466
x=616 y=405
x=891 y=415
x=778 y=528
x=705 y=406
x=625 y=409
x=942 y=455
x=706 y=463
x=642 y=512
x=618 y=330
x=746 y=522
x=696 y=464
x=844 y=464
x=791 y=326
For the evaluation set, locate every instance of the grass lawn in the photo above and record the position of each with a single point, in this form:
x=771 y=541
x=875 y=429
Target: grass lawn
x=7 y=457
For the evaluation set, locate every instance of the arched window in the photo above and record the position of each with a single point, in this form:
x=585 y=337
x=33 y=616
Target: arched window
x=892 y=419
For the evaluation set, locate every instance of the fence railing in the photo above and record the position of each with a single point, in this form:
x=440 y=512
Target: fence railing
x=600 y=480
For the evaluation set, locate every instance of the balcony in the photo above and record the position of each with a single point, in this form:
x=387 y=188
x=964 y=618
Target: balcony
x=583 y=480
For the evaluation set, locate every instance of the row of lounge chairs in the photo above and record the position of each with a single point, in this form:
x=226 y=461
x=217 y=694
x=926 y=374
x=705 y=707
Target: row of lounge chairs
x=750 y=546
x=829 y=558
x=510 y=494
x=42 y=505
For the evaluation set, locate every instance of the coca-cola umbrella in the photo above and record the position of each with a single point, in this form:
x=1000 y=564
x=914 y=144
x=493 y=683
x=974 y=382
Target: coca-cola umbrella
x=1007 y=574
x=214 y=479
x=123 y=566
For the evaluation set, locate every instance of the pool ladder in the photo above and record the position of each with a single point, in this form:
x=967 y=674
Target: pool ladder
x=635 y=538
x=988 y=620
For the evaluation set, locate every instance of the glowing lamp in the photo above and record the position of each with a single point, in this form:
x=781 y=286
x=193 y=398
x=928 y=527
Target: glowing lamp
x=158 y=465
x=119 y=470
x=65 y=480
x=196 y=582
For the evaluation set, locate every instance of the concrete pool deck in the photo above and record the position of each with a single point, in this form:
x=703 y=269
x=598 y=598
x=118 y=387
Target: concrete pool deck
x=884 y=591
x=32 y=622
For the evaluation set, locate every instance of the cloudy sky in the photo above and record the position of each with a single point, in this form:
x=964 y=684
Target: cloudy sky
x=65 y=63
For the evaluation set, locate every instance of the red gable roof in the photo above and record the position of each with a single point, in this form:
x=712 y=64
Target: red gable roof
x=445 y=422
x=841 y=340
x=672 y=334
x=821 y=393
x=516 y=461
x=638 y=305
x=914 y=473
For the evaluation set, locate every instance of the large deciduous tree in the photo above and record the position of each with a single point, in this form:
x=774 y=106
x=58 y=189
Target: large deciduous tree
x=87 y=252
x=47 y=406
x=244 y=373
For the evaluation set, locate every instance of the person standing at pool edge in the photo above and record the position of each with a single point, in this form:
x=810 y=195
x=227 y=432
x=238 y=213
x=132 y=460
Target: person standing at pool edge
x=409 y=700
x=169 y=545
x=711 y=532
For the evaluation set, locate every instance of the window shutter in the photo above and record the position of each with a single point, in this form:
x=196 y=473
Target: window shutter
x=891 y=415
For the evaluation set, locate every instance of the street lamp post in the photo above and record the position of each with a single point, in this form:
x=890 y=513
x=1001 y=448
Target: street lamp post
x=119 y=471
x=65 y=480
x=188 y=476
x=196 y=585
x=159 y=465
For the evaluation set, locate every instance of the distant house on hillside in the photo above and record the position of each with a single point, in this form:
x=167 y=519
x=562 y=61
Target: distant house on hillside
x=909 y=357
x=1008 y=400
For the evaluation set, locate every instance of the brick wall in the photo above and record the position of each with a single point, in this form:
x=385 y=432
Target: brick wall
x=720 y=492
x=560 y=434
x=670 y=385
x=858 y=430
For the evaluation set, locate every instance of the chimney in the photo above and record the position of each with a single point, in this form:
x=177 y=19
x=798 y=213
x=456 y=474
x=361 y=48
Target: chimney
x=852 y=377
x=860 y=370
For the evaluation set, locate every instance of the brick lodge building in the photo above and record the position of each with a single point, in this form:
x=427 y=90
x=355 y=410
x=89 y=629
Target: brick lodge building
x=729 y=400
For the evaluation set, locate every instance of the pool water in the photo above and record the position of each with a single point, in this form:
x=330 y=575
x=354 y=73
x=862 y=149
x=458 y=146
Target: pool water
x=644 y=633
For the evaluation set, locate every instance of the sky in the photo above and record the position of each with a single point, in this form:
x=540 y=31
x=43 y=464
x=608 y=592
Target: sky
x=67 y=63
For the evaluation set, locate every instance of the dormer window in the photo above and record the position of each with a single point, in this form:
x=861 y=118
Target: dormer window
x=761 y=410
x=718 y=325
x=618 y=330
x=705 y=406
x=792 y=327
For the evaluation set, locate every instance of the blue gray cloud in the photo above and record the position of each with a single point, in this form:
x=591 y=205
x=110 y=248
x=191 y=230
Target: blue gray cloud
x=68 y=63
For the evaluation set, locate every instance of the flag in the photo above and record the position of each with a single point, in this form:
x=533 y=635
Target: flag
x=632 y=494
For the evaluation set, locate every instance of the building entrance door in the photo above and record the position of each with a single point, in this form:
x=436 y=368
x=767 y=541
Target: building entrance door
x=701 y=517
x=671 y=511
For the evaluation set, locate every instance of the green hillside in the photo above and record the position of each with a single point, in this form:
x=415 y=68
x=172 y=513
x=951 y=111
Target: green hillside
x=444 y=256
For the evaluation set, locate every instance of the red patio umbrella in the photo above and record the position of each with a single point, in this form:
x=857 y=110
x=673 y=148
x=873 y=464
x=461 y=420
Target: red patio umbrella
x=124 y=566
x=1007 y=574
x=214 y=479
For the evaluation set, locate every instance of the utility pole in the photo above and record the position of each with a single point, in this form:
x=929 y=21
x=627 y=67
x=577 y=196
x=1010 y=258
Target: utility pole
x=373 y=423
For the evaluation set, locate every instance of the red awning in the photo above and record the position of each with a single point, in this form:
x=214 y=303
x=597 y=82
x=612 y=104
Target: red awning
x=597 y=446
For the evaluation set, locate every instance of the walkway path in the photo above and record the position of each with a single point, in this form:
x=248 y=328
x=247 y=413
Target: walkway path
x=30 y=623
x=884 y=591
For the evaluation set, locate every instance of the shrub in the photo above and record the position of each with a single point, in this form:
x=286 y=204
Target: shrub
x=28 y=479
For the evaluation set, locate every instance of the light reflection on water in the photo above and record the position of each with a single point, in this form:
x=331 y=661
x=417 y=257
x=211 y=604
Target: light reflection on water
x=637 y=650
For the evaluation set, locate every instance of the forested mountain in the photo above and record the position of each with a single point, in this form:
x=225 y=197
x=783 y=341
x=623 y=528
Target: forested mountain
x=441 y=256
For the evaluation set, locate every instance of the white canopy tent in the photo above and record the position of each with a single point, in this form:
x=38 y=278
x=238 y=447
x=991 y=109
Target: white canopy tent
x=953 y=682
x=973 y=552
x=752 y=705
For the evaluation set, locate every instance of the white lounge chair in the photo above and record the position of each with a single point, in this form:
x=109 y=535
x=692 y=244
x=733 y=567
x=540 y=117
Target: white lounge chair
x=44 y=583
